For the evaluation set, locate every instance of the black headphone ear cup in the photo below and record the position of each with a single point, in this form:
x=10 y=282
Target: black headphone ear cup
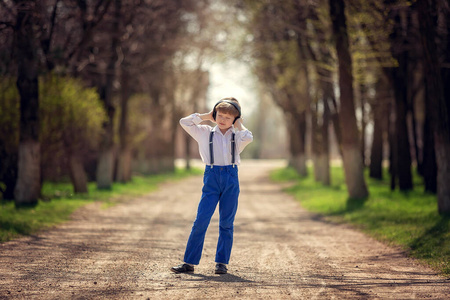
x=214 y=113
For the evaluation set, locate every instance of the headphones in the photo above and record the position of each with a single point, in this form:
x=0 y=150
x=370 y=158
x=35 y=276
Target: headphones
x=230 y=102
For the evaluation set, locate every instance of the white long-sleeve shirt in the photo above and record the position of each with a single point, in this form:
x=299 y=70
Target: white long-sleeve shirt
x=221 y=142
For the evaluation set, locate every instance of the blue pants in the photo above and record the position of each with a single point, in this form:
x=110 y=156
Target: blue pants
x=220 y=185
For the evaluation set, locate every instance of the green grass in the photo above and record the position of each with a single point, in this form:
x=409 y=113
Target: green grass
x=61 y=203
x=406 y=219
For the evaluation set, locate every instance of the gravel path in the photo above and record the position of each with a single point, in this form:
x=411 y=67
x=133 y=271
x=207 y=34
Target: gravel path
x=280 y=252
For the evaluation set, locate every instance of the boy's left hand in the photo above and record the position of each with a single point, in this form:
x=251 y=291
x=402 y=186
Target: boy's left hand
x=239 y=123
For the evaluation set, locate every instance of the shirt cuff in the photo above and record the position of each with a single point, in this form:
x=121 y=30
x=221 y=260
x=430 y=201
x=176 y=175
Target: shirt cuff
x=196 y=118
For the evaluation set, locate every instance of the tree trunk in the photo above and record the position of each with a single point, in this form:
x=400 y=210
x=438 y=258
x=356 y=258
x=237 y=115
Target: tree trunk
x=334 y=115
x=315 y=144
x=328 y=98
x=402 y=134
x=376 y=154
x=297 y=143
x=417 y=111
x=399 y=49
x=381 y=125
x=105 y=169
x=160 y=152
x=325 y=156
x=415 y=135
x=363 y=100
x=353 y=165
x=187 y=139
x=28 y=187
x=444 y=150
x=393 y=165
x=9 y=177
x=174 y=117
x=429 y=154
x=319 y=139
x=123 y=172
x=436 y=96
x=77 y=174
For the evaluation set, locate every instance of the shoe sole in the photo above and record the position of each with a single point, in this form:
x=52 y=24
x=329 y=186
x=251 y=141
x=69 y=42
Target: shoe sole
x=220 y=272
x=178 y=272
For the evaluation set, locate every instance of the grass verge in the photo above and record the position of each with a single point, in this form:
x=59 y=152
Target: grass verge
x=406 y=219
x=61 y=203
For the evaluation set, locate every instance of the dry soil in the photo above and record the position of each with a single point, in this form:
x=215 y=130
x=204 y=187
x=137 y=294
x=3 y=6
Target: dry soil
x=280 y=252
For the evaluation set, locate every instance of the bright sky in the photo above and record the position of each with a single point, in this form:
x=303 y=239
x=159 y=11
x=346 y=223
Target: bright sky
x=233 y=79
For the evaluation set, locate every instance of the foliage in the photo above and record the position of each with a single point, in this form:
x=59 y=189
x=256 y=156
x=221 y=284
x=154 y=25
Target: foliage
x=9 y=115
x=409 y=220
x=70 y=110
x=139 y=120
x=9 y=112
x=71 y=120
x=62 y=203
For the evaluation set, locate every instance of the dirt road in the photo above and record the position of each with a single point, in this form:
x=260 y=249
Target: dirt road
x=280 y=252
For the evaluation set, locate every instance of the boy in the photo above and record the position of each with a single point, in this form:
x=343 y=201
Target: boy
x=219 y=148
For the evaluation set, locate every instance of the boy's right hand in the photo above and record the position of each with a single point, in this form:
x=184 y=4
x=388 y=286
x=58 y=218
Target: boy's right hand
x=207 y=116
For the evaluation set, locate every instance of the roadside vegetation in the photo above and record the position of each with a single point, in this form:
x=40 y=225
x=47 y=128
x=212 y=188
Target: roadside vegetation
x=59 y=202
x=406 y=219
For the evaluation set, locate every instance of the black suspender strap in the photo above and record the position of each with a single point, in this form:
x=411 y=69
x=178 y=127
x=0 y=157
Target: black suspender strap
x=233 y=149
x=211 y=150
x=211 y=153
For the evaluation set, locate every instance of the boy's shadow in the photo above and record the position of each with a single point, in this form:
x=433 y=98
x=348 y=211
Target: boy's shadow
x=218 y=278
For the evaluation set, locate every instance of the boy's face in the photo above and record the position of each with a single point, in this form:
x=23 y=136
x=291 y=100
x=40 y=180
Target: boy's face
x=224 y=120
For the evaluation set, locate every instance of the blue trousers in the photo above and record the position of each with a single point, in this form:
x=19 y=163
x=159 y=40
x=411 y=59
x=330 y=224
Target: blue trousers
x=220 y=185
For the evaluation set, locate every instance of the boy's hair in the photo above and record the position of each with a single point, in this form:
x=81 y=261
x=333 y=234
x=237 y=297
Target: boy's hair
x=228 y=108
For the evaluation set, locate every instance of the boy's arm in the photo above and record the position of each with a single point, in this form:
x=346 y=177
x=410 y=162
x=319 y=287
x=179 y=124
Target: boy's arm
x=244 y=135
x=239 y=125
x=207 y=116
x=191 y=124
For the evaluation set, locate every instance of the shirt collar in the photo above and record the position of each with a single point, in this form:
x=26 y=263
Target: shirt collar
x=232 y=129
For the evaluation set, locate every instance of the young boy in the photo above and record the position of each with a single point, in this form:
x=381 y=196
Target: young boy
x=219 y=148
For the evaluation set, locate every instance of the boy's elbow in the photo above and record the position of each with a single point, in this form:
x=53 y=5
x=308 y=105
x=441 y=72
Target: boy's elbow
x=247 y=140
x=250 y=136
x=184 y=122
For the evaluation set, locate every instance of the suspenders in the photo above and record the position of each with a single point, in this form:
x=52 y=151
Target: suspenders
x=211 y=153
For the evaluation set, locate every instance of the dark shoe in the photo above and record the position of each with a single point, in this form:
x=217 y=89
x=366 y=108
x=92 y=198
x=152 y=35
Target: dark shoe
x=183 y=268
x=221 y=269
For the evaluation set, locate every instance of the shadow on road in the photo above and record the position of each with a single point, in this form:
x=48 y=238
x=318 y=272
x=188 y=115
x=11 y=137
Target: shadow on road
x=218 y=278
